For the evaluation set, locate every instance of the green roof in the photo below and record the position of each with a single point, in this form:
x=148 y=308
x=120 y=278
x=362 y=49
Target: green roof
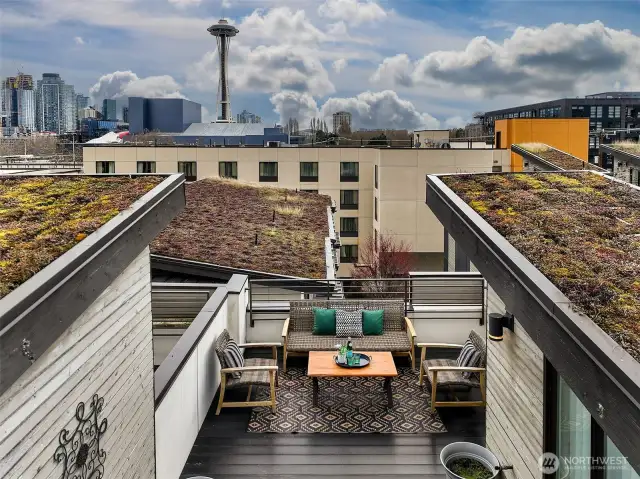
x=581 y=230
x=249 y=226
x=561 y=159
x=42 y=217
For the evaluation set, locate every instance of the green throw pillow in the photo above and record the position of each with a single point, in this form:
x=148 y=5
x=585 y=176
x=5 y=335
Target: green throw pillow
x=372 y=322
x=324 y=322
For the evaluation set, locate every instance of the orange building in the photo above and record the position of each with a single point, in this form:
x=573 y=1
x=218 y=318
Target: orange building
x=567 y=134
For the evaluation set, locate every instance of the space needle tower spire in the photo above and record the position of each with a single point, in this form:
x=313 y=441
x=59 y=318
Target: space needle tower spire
x=223 y=33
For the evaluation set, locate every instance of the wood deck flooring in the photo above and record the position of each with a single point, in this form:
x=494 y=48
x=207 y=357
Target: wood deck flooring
x=224 y=449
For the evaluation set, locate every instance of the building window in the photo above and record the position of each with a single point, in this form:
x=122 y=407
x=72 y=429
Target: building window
x=573 y=429
x=613 y=112
x=375 y=176
x=375 y=208
x=349 y=253
x=146 y=166
x=575 y=436
x=579 y=111
x=349 y=227
x=551 y=112
x=309 y=171
x=348 y=199
x=103 y=167
x=309 y=191
x=596 y=112
x=349 y=171
x=617 y=465
x=268 y=171
x=228 y=169
x=375 y=239
x=190 y=170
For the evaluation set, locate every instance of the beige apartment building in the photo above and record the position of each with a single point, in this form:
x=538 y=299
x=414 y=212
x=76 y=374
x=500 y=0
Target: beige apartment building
x=376 y=190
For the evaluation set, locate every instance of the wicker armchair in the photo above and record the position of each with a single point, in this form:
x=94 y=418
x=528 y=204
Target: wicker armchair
x=446 y=373
x=255 y=372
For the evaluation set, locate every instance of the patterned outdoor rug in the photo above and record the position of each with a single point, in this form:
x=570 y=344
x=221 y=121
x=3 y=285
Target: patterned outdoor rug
x=350 y=405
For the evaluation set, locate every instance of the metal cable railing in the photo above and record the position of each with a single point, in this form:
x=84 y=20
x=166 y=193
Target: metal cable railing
x=422 y=295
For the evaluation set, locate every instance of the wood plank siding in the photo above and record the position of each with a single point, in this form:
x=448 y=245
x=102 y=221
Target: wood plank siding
x=107 y=351
x=514 y=398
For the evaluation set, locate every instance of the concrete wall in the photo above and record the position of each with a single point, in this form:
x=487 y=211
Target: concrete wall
x=566 y=134
x=403 y=212
x=182 y=410
x=170 y=115
x=107 y=351
x=402 y=173
x=626 y=171
x=514 y=398
x=425 y=136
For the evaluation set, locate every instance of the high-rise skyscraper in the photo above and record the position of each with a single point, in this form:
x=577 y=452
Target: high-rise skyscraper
x=248 y=117
x=223 y=33
x=342 y=122
x=82 y=102
x=125 y=114
x=109 y=109
x=56 y=105
x=18 y=103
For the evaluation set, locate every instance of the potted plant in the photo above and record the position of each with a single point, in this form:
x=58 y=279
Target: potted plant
x=466 y=460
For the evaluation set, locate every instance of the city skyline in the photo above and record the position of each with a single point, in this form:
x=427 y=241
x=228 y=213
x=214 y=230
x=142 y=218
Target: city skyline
x=390 y=64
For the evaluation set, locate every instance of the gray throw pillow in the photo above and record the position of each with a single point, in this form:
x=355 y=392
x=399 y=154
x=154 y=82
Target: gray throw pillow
x=348 y=323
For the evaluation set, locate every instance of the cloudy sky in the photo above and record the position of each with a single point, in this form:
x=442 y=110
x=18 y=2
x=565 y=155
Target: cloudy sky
x=392 y=63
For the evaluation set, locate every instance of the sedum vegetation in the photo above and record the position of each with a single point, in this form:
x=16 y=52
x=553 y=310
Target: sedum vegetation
x=41 y=217
x=242 y=225
x=581 y=230
x=559 y=158
x=632 y=147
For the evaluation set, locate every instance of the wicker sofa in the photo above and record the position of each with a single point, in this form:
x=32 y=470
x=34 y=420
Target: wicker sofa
x=398 y=335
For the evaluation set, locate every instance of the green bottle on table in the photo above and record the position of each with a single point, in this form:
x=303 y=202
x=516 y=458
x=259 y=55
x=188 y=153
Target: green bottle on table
x=349 y=352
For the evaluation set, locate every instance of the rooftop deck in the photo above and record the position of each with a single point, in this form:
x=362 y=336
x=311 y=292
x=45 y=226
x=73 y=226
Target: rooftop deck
x=223 y=448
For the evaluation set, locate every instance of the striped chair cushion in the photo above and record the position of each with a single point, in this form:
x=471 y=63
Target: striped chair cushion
x=469 y=357
x=233 y=358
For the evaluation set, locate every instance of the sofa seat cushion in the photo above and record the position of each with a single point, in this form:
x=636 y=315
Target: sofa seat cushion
x=254 y=378
x=448 y=378
x=305 y=341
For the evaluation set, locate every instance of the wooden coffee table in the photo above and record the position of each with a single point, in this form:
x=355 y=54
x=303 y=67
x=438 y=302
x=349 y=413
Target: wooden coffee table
x=322 y=365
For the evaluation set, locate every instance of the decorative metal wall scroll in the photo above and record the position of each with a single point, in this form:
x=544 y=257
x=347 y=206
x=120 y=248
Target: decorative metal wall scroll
x=79 y=450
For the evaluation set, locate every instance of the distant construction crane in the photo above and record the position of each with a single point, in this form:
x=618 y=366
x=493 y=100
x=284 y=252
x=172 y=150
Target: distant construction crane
x=223 y=33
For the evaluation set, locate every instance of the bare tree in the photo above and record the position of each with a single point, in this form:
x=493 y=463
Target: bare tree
x=389 y=258
x=344 y=129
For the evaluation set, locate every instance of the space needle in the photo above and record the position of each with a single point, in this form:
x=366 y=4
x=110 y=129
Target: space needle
x=223 y=33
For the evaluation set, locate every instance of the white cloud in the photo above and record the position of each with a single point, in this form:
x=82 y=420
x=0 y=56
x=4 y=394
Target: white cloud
x=122 y=84
x=78 y=40
x=339 y=65
x=455 y=122
x=368 y=109
x=382 y=109
x=279 y=25
x=394 y=71
x=292 y=104
x=353 y=12
x=185 y=3
x=338 y=29
x=555 y=60
x=266 y=69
